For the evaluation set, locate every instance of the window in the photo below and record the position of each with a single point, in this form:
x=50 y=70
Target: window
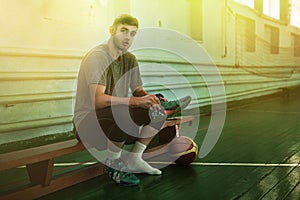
x=250 y=35
x=296 y=44
x=295 y=12
x=272 y=8
x=272 y=37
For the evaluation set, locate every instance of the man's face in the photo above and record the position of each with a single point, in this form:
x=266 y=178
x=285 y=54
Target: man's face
x=123 y=36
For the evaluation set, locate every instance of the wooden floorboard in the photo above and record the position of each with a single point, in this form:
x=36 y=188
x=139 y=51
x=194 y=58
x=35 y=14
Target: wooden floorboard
x=283 y=186
x=295 y=193
x=242 y=165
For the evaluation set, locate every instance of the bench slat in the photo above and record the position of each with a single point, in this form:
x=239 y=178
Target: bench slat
x=178 y=120
x=37 y=154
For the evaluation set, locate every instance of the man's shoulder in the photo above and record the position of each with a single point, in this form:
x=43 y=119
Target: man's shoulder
x=98 y=53
x=99 y=50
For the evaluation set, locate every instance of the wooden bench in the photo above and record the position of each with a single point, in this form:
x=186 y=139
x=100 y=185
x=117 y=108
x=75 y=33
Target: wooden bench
x=39 y=162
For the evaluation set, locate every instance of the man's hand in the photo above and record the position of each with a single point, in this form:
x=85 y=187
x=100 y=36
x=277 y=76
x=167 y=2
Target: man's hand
x=161 y=97
x=149 y=101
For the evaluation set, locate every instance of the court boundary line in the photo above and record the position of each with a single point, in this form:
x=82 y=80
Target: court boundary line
x=230 y=164
x=237 y=164
x=248 y=164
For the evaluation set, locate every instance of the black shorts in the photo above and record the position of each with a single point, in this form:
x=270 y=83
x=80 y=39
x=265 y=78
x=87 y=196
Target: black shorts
x=118 y=123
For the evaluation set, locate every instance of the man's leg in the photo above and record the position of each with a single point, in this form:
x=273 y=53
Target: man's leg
x=135 y=160
x=117 y=136
x=115 y=166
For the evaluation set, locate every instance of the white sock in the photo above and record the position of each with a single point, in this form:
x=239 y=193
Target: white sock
x=137 y=164
x=112 y=155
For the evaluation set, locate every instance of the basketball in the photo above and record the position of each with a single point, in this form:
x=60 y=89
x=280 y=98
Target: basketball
x=183 y=149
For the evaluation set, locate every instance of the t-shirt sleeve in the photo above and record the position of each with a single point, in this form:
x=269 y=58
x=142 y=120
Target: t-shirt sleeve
x=95 y=66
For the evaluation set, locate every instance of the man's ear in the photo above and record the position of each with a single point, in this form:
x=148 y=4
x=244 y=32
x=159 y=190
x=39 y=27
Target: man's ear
x=112 y=30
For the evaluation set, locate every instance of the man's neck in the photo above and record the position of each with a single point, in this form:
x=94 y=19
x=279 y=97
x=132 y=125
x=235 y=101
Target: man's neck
x=114 y=52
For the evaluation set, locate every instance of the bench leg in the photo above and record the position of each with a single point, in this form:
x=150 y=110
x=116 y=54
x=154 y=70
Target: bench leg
x=41 y=172
x=177 y=130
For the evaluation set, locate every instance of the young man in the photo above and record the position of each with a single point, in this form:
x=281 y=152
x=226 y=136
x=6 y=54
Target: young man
x=106 y=74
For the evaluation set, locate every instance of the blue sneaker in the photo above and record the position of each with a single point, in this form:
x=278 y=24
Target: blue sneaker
x=118 y=172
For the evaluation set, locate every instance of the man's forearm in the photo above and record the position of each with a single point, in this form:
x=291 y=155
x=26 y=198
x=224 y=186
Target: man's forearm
x=105 y=100
x=140 y=98
x=140 y=92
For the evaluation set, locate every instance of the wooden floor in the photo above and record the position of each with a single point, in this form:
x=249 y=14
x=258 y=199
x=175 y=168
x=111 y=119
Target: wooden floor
x=256 y=157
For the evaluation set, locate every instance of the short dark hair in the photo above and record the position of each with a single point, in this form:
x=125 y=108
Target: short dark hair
x=126 y=19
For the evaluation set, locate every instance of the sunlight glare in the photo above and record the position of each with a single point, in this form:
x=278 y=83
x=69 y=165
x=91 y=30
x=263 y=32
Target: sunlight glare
x=295 y=13
x=272 y=8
